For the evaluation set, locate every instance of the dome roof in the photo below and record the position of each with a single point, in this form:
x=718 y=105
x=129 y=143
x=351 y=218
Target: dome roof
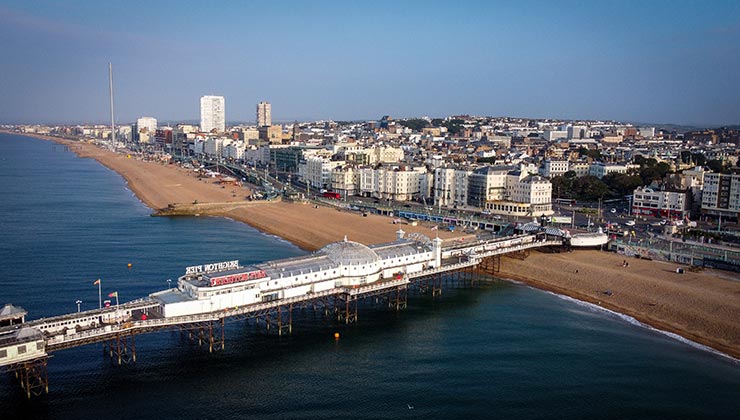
x=349 y=253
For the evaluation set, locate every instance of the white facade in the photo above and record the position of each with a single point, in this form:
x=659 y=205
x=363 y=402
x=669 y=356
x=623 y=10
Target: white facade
x=721 y=195
x=212 y=114
x=264 y=114
x=451 y=186
x=577 y=132
x=646 y=201
x=580 y=168
x=146 y=123
x=318 y=171
x=214 y=146
x=599 y=169
x=344 y=180
x=552 y=135
x=234 y=150
x=551 y=168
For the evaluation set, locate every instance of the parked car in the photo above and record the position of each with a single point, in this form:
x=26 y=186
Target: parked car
x=630 y=223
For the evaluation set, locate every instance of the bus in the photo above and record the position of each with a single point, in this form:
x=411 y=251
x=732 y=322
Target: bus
x=331 y=194
x=565 y=201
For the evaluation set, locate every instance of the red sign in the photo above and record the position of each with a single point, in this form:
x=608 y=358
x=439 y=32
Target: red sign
x=238 y=278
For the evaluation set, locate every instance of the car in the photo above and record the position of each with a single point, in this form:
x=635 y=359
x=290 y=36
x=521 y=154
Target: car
x=630 y=223
x=613 y=210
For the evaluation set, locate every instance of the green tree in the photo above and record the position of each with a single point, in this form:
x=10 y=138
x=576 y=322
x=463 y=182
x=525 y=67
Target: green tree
x=716 y=165
x=415 y=124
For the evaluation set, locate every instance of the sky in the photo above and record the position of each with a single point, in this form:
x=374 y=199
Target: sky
x=640 y=61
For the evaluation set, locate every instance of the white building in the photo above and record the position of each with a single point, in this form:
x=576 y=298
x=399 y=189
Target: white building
x=649 y=202
x=264 y=114
x=234 y=150
x=551 y=168
x=577 y=132
x=451 y=186
x=721 y=195
x=146 y=123
x=526 y=195
x=317 y=171
x=214 y=146
x=344 y=180
x=580 y=168
x=600 y=169
x=552 y=135
x=212 y=114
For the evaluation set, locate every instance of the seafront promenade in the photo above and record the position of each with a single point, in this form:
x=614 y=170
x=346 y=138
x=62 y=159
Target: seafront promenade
x=710 y=297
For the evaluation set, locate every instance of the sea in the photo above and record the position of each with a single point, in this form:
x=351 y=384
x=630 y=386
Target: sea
x=496 y=350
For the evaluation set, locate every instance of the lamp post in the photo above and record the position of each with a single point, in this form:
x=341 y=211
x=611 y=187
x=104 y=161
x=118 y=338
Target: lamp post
x=78 y=302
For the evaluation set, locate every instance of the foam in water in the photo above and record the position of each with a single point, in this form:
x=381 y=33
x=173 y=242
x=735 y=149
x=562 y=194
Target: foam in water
x=633 y=321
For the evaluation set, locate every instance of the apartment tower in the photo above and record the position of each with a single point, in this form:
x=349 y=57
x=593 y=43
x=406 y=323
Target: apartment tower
x=212 y=114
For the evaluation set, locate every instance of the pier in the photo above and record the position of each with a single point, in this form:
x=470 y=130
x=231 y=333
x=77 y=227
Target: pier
x=333 y=280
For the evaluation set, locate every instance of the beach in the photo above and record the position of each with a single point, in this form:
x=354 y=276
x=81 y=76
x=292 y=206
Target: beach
x=703 y=307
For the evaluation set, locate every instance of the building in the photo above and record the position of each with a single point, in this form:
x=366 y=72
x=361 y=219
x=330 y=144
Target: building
x=144 y=129
x=721 y=195
x=600 y=169
x=487 y=184
x=580 y=168
x=317 y=171
x=553 y=135
x=451 y=186
x=146 y=123
x=212 y=114
x=674 y=204
x=577 y=132
x=264 y=114
x=526 y=195
x=272 y=134
x=551 y=168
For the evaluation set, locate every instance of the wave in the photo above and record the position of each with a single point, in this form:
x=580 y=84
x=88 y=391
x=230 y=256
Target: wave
x=633 y=321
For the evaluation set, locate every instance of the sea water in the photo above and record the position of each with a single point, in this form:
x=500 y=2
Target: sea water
x=500 y=350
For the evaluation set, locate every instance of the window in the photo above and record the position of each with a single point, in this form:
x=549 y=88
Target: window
x=21 y=349
x=39 y=345
x=3 y=354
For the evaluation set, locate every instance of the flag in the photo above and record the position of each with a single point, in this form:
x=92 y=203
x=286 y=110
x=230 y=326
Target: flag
x=114 y=294
x=96 y=282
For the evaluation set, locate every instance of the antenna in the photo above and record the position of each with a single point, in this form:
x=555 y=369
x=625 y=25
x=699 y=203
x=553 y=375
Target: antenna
x=112 y=120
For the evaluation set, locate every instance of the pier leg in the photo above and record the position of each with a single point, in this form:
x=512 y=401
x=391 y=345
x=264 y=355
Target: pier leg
x=33 y=377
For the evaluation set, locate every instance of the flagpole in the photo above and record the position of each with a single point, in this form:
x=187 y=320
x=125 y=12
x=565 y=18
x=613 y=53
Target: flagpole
x=100 y=295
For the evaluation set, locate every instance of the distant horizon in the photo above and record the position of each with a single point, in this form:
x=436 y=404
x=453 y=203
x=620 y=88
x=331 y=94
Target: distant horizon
x=230 y=123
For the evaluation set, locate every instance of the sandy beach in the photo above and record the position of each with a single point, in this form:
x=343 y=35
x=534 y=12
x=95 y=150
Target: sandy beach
x=703 y=307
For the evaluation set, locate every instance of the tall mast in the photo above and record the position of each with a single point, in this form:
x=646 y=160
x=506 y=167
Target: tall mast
x=112 y=120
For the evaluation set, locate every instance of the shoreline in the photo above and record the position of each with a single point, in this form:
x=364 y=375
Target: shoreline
x=651 y=297
x=664 y=328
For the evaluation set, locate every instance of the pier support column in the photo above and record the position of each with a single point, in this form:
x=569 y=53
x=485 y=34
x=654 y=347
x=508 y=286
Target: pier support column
x=32 y=377
x=285 y=320
x=347 y=310
x=216 y=335
x=122 y=348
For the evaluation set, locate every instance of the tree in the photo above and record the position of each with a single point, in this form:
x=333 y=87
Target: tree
x=622 y=184
x=415 y=124
x=716 y=165
x=699 y=159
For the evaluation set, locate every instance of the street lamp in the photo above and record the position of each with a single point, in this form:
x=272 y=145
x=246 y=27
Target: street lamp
x=78 y=302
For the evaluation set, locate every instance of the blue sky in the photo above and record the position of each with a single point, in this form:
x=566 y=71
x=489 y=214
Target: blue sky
x=645 y=61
